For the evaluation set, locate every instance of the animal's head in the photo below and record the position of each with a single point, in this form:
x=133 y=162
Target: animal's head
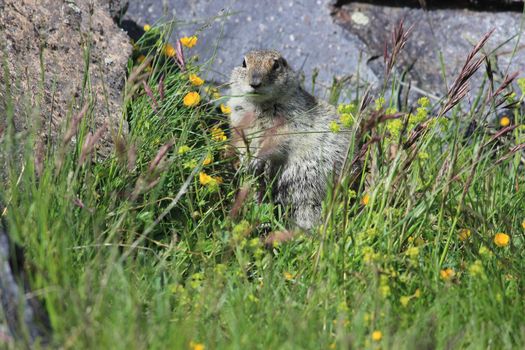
x=264 y=75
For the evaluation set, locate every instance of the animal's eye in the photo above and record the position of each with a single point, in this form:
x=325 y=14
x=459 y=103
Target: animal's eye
x=244 y=63
x=276 y=65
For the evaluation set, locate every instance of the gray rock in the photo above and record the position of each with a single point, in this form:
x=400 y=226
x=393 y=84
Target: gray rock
x=54 y=35
x=449 y=33
x=302 y=30
x=305 y=32
x=21 y=313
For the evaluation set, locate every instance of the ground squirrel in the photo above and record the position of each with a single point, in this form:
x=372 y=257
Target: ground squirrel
x=282 y=133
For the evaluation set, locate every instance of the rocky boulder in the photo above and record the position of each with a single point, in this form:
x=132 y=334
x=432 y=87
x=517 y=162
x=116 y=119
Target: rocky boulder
x=57 y=55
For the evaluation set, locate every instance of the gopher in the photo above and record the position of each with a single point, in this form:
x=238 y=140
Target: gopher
x=282 y=134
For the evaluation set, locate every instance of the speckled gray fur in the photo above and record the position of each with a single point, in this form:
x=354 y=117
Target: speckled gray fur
x=282 y=133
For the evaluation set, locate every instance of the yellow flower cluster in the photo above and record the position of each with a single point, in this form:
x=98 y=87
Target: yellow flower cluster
x=346 y=114
x=379 y=103
x=196 y=346
x=501 y=239
x=191 y=99
x=504 y=121
x=334 y=126
x=447 y=274
x=207 y=160
x=190 y=41
x=195 y=80
x=207 y=180
x=183 y=149
x=218 y=134
x=404 y=300
x=476 y=268
x=377 y=335
x=464 y=234
x=169 y=50
x=225 y=109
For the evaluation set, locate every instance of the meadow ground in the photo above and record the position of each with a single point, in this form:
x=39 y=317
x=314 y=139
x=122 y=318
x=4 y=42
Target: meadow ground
x=141 y=250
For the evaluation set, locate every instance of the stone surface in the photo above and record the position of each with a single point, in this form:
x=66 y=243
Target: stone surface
x=302 y=30
x=18 y=306
x=56 y=35
x=449 y=33
x=305 y=32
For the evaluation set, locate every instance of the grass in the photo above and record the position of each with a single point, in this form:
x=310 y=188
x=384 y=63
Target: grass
x=134 y=252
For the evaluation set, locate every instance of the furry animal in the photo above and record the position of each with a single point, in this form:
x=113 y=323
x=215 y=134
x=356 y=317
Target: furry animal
x=282 y=133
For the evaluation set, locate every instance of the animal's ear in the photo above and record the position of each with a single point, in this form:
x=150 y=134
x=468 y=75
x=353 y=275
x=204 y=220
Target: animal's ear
x=283 y=62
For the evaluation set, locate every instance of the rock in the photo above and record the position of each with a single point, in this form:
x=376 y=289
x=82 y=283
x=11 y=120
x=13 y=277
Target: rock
x=446 y=32
x=305 y=32
x=21 y=313
x=302 y=30
x=117 y=8
x=55 y=35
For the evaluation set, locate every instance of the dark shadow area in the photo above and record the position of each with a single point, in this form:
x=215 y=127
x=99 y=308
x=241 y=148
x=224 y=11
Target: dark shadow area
x=475 y=5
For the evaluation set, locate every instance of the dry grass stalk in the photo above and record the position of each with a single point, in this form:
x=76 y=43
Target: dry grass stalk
x=399 y=38
x=73 y=127
x=154 y=165
x=90 y=142
x=461 y=85
x=149 y=92
x=179 y=54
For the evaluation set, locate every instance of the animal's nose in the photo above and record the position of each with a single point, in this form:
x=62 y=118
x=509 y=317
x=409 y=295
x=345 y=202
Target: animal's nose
x=255 y=81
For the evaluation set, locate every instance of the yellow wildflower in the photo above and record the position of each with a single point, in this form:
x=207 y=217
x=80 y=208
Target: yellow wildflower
x=412 y=252
x=288 y=276
x=216 y=95
x=404 y=300
x=346 y=119
x=147 y=27
x=423 y=155
x=377 y=335
x=476 y=269
x=204 y=178
x=417 y=293
x=464 y=234
x=208 y=160
x=332 y=346
x=196 y=346
x=384 y=288
x=523 y=224
x=365 y=199
x=369 y=255
x=189 y=41
x=504 y=121
x=195 y=80
x=484 y=251
x=169 y=50
x=379 y=103
x=218 y=134
x=334 y=127
x=394 y=126
x=192 y=163
x=191 y=99
x=447 y=274
x=423 y=101
x=501 y=239
x=225 y=109
x=183 y=149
